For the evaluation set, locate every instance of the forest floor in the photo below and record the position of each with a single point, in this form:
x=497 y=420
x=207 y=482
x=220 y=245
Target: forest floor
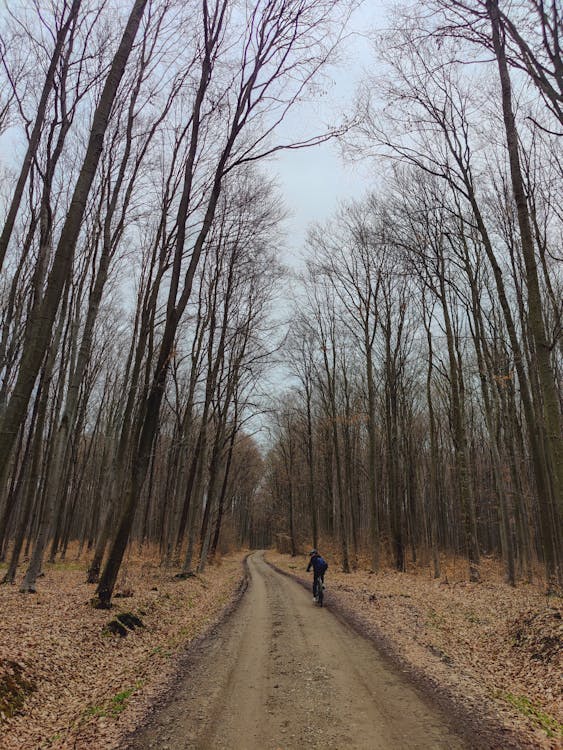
x=494 y=650
x=65 y=682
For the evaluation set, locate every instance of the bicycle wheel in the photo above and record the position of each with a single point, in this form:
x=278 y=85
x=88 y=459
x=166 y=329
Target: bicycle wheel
x=320 y=592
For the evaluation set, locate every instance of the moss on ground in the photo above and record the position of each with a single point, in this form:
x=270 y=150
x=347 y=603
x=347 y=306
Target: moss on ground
x=115 y=705
x=549 y=724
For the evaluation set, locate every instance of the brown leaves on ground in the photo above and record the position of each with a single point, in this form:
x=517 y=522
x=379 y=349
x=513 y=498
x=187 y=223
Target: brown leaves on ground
x=492 y=646
x=82 y=687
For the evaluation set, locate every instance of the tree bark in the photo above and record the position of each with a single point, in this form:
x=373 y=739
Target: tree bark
x=550 y=417
x=36 y=337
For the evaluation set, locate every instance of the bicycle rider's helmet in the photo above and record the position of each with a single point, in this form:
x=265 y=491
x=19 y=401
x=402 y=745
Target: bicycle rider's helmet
x=313 y=552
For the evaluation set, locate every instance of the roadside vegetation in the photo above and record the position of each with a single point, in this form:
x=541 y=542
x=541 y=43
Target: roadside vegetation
x=76 y=684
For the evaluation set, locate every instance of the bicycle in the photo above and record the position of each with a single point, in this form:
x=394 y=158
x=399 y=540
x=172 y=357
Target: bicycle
x=319 y=590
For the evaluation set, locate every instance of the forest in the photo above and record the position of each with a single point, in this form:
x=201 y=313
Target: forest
x=425 y=413
x=141 y=274
x=170 y=382
x=144 y=302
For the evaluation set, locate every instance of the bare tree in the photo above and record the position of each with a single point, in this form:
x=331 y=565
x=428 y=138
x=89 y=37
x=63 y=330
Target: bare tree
x=36 y=338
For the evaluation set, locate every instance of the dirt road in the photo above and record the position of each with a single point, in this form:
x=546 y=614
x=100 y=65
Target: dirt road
x=283 y=674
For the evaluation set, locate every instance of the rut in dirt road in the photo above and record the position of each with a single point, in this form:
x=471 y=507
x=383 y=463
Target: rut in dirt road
x=282 y=674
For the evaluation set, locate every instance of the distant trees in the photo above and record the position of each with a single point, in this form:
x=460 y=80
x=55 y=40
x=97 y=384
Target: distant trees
x=444 y=281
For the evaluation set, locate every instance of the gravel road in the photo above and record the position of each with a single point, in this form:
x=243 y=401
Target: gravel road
x=283 y=674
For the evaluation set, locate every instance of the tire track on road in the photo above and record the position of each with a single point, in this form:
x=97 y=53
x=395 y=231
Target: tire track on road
x=282 y=674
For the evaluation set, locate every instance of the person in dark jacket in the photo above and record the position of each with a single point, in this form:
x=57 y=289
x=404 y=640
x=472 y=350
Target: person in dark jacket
x=320 y=567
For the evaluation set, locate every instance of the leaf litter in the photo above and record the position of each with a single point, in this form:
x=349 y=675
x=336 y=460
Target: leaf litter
x=490 y=645
x=73 y=685
x=68 y=682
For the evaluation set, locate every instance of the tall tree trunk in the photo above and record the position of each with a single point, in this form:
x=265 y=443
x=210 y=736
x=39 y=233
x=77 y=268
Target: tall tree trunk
x=313 y=509
x=550 y=423
x=342 y=521
x=372 y=467
x=45 y=517
x=223 y=495
x=432 y=490
x=460 y=442
x=36 y=338
x=194 y=506
x=33 y=449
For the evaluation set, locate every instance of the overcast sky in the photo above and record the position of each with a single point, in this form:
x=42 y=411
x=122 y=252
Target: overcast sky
x=314 y=180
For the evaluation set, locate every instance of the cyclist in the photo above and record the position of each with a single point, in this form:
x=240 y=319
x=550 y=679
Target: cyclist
x=320 y=567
